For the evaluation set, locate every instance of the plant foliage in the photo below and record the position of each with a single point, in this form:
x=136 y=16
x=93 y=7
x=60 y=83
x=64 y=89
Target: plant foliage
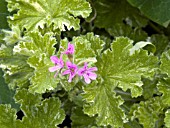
x=84 y=63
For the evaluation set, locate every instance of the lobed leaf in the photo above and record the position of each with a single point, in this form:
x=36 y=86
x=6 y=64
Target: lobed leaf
x=143 y=44
x=38 y=51
x=27 y=100
x=163 y=87
x=149 y=87
x=113 y=68
x=16 y=71
x=43 y=79
x=33 y=14
x=161 y=42
x=3 y=14
x=6 y=95
x=87 y=47
x=136 y=34
x=165 y=62
x=81 y=120
x=102 y=101
x=167 y=118
x=116 y=64
x=37 y=46
x=37 y=114
x=148 y=112
x=42 y=114
x=13 y=36
x=8 y=117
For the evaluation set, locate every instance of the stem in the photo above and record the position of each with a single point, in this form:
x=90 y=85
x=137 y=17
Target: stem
x=127 y=96
x=122 y=92
x=155 y=28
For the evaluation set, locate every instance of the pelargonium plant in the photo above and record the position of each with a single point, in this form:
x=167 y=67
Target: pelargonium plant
x=84 y=64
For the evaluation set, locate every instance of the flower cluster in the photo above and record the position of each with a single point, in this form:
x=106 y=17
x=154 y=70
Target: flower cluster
x=72 y=69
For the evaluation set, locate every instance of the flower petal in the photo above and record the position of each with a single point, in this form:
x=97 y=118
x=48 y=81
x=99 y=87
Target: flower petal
x=69 y=64
x=81 y=71
x=54 y=59
x=70 y=48
x=66 y=72
x=92 y=75
x=85 y=66
x=74 y=66
x=53 y=69
x=61 y=62
x=92 y=69
x=86 y=79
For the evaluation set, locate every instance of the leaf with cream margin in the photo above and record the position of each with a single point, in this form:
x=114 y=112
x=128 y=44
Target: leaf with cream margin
x=113 y=68
x=17 y=72
x=32 y=14
x=39 y=50
x=149 y=112
x=167 y=118
x=45 y=113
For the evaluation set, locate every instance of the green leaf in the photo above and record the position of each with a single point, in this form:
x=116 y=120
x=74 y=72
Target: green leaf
x=111 y=12
x=39 y=50
x=96 y=43
x=37 y=46
x=149 y=87
x=16 y=71
x=164 y=87
x=13 y=36
x=1 y=37
x=165 y=62
x=113 y=67
x=48 y=114
x=83 y=50
x=32 y=14
x=167 y=118
x=45 y=113
x=43 y=79
x=161 y=42
x=3 y=14
x=36 y=52
x=27 y=100
x=102 y=101
x=149 y=7
x=116 y=64
x=6 y=95
x=8 y=117
x=80 y=120
x=148 y=112
x=87 y=47
x=143 y=44
x=42 y=114
x=136 y=34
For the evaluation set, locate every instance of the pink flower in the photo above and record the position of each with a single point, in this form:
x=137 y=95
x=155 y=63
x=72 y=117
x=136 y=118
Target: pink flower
x=72 y=70
x=70 y=49
x=87 y=73
x=59 y=64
